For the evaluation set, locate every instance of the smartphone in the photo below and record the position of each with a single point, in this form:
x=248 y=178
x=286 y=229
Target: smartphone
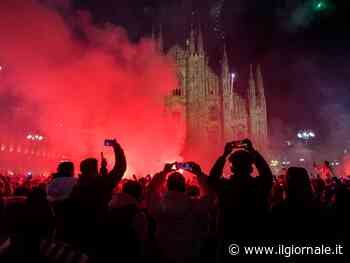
x=109 y=142
x=239 y=144
x=184 y=166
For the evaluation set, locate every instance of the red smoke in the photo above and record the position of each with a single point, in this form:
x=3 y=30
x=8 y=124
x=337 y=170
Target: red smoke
x=91 y=80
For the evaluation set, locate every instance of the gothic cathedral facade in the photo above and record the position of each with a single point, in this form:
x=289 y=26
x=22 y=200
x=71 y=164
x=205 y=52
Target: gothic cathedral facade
x=212 y=109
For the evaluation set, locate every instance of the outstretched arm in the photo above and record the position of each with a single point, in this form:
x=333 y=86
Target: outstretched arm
x=158 y=179
x=217 y=170
x=103 y=169
x=154 y=189
x=201 y=177
x=117 y=173
x=265 y=174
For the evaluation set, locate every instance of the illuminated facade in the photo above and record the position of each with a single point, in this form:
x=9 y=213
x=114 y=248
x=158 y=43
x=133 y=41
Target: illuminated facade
x=209 y=103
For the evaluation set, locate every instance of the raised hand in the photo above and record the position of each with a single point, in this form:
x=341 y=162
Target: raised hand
x=248 y=144
x=196 y=169
x=168 y=167
x=228 y=148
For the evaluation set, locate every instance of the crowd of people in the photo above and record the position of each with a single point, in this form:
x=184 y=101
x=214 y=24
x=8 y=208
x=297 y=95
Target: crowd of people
x=98 y=216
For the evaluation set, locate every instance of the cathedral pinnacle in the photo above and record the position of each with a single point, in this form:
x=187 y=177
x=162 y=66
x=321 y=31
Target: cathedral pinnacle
x=192 y=44
x=252 y=88
x=200 y=43
x=225 y=65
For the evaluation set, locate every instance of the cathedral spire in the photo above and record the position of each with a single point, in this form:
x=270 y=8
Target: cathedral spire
x=200 y=43
x=260 y=85
x=160 y=39
x=252 y=88
x=192 y=44
x=225 y=65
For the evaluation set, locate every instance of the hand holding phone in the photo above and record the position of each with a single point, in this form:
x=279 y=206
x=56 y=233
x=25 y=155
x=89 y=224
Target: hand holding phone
x=110 y=142
x=184 y=166
x=243 y=144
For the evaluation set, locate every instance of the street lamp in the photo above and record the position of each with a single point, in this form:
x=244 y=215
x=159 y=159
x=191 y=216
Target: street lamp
x=306 y=135
x=35 y=137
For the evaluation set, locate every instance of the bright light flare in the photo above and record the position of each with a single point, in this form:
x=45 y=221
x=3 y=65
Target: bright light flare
x=306 y=135
x=274 y=163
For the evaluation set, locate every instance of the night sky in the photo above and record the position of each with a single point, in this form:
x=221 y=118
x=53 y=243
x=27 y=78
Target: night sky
x=303 y=47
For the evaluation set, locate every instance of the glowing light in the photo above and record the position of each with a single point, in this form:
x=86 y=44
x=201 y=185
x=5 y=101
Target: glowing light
x=35 y=137
x=274 y=163
x=301 y=160
x=319 y=5
x=306 y=135
x=1 y=68
x=323 y=5
x=286 y=163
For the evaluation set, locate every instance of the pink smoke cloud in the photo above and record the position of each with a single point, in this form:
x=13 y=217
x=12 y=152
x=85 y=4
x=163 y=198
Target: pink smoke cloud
x=89 y=86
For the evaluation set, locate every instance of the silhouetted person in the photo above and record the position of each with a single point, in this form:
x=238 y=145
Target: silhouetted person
x=5 y=187
x=34 y=222
x=299 y=217
x=63 y=182
x=325 y=171
x=243 y=199
x=179 y=218
x=59 y=191
x=125 y=231
x=90 y=197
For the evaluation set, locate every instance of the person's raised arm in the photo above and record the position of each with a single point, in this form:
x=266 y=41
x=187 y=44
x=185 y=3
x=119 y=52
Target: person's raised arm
x=201 y=177
x=265 y=174
x=153 y=190
x=119 y=168
x=103 y=169
x=217 y=170
x=158 y=179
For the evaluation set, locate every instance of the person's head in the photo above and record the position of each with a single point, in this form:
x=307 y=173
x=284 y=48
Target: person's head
x=298 y=184
x=176 y=182
x=326 y=163
x=65 y=169
x=241 y=163
x=133 y=188
x=89 y=167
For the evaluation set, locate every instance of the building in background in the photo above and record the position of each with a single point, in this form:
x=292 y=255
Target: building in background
x=213 y=110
